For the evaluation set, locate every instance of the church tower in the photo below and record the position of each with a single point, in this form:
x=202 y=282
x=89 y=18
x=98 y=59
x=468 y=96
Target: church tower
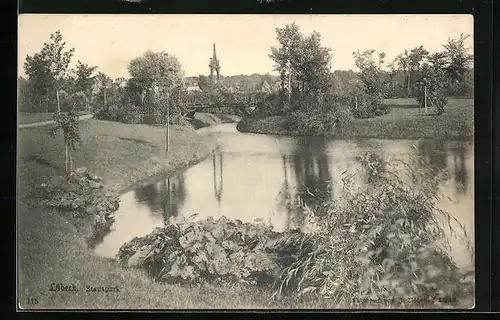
x=214 y=66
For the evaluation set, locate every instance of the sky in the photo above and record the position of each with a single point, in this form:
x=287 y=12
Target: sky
x=243 y=41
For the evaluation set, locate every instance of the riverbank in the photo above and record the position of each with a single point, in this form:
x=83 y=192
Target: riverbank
x=53 y=251
x=403 y=122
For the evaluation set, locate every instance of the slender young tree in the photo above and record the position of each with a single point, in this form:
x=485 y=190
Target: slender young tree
x=48 y=72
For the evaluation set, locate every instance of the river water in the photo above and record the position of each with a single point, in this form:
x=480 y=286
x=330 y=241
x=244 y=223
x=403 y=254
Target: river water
x=252 y=177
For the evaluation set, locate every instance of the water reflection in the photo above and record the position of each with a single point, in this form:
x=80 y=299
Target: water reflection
x=218 y=167
x=164 y=197
x=258 y=178
x=461 y=173
x=311 y=171
x=433 y=152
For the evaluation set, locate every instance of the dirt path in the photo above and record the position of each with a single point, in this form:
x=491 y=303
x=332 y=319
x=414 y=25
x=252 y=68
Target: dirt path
x=44 y=123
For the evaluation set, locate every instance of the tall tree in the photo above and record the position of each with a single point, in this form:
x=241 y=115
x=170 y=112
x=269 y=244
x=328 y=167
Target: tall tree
x=311 y=64
x=289 y=39
x=415 y=58
x=85 y=80
x=402 y=62
x=47 y=69
x=370 y=74
x=101 y=84
x=459 y=61
x=159 y=78
x=303 y=63
x=432 y=83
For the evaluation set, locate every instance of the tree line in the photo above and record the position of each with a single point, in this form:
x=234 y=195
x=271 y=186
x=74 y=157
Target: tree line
x=156 y=81
x=314 y=97
x=302 y=62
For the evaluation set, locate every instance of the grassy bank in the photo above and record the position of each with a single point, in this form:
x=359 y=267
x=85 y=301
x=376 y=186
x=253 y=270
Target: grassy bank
x=403 y=122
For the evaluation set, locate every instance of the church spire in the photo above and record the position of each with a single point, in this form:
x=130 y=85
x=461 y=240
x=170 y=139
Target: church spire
x=214 y=66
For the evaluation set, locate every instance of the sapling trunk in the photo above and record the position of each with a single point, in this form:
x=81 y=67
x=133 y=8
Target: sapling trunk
x=167 y=130
x=66 y=157
x=58 y=103
x=70 y=160
x=425 y=99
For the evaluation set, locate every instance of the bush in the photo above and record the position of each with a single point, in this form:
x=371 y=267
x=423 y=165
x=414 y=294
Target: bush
x=208 y=250
x=318 y=119
x=379 y=244
x=368 y=106
x=84 y=199
x=269 y=104
x=123 y=112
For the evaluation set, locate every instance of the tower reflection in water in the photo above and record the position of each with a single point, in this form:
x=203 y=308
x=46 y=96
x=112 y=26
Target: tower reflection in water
x=218 y=175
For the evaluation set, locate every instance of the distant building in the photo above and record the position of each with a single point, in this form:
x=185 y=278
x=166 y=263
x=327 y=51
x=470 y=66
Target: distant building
x=193 y=89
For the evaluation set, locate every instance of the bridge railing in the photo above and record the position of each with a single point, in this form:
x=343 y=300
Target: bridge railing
x=224 y=98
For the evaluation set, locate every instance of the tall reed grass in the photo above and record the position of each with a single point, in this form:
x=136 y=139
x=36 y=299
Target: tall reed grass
x=381 y=244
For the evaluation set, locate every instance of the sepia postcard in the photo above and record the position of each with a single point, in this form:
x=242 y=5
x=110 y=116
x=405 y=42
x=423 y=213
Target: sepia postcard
x=245 y=162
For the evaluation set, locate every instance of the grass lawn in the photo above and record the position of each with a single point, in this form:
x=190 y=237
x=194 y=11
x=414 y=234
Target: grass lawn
x=404 y=121
x=31 y=117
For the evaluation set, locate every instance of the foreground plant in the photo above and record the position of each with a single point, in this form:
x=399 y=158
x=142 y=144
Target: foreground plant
x=379 y=245
x=83 y=199
x=209 y=250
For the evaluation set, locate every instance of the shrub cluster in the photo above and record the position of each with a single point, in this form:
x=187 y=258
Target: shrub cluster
x=84 y=199
x=379 y=244
x=208 y=250
x=330 y=115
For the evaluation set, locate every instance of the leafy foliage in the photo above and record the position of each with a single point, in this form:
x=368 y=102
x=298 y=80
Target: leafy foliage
x=208 y=250
x=373 y=86
x=459 y=63
x=334 y=115
x=85 y=81
x=433 y=80
x=156 y=81
x=377 y=245
x=67 y=123
x=303 y=64
x=84 y=198
x=47 y=70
